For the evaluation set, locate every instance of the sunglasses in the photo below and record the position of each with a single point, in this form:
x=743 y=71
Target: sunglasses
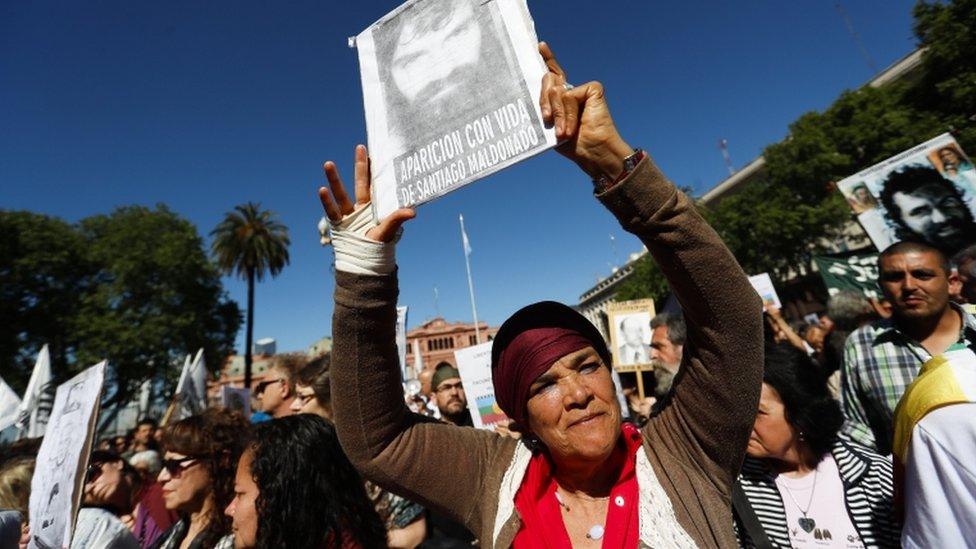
x=93 y=472
x=175 y=467
x=260 y=387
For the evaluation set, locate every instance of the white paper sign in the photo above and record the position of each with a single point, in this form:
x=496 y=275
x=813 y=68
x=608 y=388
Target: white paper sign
x=451 y=93
x=764 y=287
x=474 y=363
x=57 y=484
x=9 y=402
x=236 y=398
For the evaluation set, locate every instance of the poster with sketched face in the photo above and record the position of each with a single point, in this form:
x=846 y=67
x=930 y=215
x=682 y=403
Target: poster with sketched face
x=57 y=484
x=474 y=364
x=630 y=334
x=926 y=194
x=450 y=89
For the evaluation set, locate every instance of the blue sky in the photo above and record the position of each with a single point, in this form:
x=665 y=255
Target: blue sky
x=205 y=105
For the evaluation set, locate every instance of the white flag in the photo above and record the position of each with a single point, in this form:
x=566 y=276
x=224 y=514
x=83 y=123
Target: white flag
x=464 y=237
x=31 y=415
x=191 y=390
x=9 y=402
x=418 y=361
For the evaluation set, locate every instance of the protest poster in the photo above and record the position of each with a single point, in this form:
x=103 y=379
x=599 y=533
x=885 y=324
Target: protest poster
x=630 y=334
x=450 y=90
x=858 y=273
x=35 y=407
x=926 y=193
x=764 y=287
x=474 y=364
x=191 y=389
x=401 y=341
x=56 y=488
x=236 y=398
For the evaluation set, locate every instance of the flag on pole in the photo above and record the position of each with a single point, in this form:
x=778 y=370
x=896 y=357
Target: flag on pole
x=464 y=238
x=191 y=390
x=31 y=418
x=9 y=402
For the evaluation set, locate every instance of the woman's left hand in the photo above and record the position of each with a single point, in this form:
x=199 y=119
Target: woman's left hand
x=338 y=205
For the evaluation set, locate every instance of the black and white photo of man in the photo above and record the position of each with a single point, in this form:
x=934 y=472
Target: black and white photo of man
x=924 y=206
x=443 y=63
x=632 y=334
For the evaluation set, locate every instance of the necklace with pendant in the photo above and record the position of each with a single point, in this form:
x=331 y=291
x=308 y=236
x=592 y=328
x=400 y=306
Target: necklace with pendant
x=596 y=531
x=805 y=522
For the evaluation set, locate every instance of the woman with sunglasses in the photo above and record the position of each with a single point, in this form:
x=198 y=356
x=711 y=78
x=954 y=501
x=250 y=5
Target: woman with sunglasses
x=198 y=478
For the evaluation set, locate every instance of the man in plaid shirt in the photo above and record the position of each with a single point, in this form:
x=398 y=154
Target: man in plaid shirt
x=883 y=358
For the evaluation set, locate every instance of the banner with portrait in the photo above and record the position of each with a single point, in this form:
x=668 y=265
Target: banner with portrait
x=927 y=194
x=630 y=334
x=450 y=90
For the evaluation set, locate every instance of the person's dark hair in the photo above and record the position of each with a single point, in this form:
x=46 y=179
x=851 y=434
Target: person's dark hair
x=316 y=376
x=677 y=331
x=147 y=421
x=218 y=435
x=908 y=180
x=967 y=257
x=289 y=364
x=911 y=246
x=809 y=407
x=310 y=495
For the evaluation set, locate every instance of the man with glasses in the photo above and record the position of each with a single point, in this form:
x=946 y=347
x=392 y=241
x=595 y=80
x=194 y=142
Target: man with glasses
x=449 y=396
x=275 y=393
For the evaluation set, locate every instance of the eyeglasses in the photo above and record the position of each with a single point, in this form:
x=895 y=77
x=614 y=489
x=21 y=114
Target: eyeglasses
x=443 y=388
x=175 y=467
x=94 y=471
x=260 y=387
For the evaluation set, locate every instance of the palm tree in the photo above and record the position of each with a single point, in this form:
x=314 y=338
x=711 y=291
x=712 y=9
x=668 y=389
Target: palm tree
x=248 y=243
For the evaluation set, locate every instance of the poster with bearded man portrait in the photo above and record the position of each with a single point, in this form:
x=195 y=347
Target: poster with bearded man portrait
x=451 y=91
x=925 y=194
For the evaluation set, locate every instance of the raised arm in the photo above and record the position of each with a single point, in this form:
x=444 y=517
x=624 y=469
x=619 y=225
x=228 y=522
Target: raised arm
x=400 y=451
x=715 y=401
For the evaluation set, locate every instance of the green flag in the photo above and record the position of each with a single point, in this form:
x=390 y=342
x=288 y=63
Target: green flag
x=857 y=272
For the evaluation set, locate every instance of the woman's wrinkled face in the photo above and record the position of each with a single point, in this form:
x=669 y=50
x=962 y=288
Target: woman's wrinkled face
x=772 y=435
x=243 y=509
x=185 y=482
x=573 y=408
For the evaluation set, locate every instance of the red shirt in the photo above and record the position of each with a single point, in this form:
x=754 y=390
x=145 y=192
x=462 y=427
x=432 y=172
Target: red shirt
x=542 y=520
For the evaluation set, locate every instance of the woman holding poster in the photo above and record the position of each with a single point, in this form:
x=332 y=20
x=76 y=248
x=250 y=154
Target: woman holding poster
x=580 y=477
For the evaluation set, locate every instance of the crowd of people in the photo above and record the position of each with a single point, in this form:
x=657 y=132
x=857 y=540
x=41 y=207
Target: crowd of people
x=856 y=431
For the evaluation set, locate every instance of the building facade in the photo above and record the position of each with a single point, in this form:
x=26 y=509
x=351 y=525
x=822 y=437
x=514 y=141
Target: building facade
x=436 y=340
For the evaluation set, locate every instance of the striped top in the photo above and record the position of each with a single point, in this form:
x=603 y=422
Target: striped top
x=868 y=495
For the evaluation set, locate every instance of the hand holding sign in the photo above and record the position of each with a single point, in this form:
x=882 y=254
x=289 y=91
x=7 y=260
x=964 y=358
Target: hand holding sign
x=582 y=121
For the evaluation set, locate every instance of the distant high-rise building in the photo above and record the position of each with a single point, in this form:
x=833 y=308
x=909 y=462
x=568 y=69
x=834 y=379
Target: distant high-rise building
x=265 y=346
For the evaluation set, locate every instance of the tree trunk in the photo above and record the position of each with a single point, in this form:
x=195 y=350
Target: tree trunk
x=250 y=328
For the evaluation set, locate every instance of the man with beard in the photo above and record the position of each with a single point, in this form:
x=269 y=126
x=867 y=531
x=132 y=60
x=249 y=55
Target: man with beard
x=442 y=60
x=924 y=206
x=883 y=358
x=668 y=334
x=449 y=396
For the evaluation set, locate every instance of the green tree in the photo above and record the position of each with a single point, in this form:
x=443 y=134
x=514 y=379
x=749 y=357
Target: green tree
x=947 y=31
x=250 y=242
x=135 y=287
x=154 y=298
x=43 y=275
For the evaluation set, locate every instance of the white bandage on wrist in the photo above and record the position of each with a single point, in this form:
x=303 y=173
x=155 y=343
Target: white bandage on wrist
x=355 y=253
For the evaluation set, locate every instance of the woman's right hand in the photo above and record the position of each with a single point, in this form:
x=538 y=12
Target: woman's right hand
x=338 y=206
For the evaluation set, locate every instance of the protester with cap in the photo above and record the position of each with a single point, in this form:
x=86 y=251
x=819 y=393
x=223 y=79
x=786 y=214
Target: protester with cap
x=449 y=395
x=580 y=476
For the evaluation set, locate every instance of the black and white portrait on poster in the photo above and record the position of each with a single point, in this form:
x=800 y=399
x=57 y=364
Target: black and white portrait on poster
x=450 y=90
x=630 y=334
x=927 y=194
